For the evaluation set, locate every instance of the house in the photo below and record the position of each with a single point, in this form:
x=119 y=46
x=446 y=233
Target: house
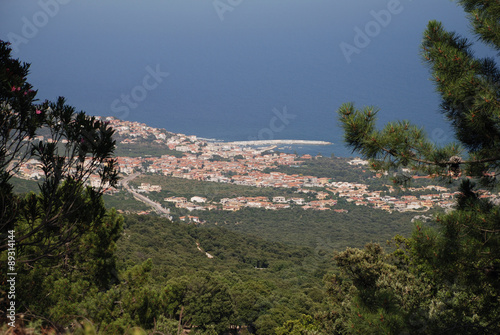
x=155 y=188
x=254 y=204
x=386 y=208
x=198 y=199
x=189 y=206
x=190 y=218
x=427 y=203
x=144 y=186
x=358 y=161
x=126 y=169
x=321 y=195
x=279 y=199
x=176 y=199
x=430 y=196
x=378 y=204
x=414 y=205
x=399 y=204
x=298 y=201
x=231 y=208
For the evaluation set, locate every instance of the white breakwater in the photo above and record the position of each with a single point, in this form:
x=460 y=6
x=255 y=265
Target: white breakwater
x=278 y=142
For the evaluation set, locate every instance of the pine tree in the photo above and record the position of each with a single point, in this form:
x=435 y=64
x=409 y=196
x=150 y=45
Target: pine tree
x=470 y=92
x=62 y=238
x=444 y=280
x=75 y=146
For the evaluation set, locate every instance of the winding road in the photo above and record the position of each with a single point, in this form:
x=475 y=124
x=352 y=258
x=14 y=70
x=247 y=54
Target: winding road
x=156 y=206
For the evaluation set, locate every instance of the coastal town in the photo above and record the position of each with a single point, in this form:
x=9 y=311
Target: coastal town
x=248 y=165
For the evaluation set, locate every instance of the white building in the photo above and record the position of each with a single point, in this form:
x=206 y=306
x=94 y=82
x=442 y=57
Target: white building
x=198 y=199
x=279 y=199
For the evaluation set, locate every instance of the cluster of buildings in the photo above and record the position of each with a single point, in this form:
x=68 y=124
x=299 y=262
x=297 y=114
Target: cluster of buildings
x=147 y=187
x=243 y=165
x=237 y=203
x=32 y=170
x=359 y=194
x=131 y=132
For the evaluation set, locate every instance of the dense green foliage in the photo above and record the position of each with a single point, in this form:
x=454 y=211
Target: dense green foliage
x=327 y=230
x=23 y=185
x=438 y=281
x=266 y=283
x=124 y=202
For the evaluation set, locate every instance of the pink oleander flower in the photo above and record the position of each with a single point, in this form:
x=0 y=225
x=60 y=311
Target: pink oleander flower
x=38 y=112
x=19 y=88
x=13 y=89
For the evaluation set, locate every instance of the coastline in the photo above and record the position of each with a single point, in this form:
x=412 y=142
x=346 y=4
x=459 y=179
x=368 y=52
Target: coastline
x=277 y=142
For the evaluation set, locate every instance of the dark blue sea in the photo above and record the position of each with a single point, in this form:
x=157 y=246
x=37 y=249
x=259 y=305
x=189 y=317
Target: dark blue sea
x=235 y=69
